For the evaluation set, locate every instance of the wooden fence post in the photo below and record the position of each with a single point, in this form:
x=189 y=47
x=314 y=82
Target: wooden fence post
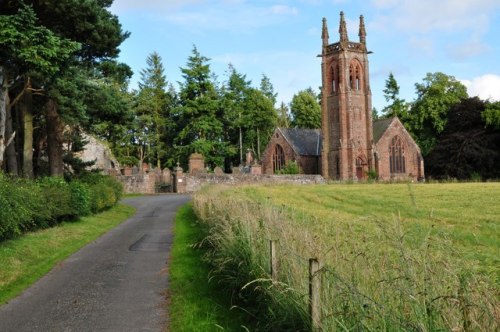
x=274 y=260
x=314 y=295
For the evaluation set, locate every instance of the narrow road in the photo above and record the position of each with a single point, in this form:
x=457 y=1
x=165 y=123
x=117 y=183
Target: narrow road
x=116 y=283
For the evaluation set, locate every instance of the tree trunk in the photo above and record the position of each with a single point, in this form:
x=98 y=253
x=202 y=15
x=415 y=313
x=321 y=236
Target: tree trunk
x=55 y=130
x=4 y=99
x=26 y=109
x=10 y=134
x=258 y=143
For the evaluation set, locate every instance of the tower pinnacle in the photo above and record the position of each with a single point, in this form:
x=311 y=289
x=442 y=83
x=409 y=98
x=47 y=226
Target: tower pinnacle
x=362 y=31
x=324 y=33
x=343 y=29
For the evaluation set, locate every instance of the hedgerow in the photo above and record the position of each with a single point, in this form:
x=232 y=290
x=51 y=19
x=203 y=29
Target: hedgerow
x=27 y=205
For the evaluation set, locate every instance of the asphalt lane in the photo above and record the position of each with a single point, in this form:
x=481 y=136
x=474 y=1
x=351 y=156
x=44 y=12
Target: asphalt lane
x=116 y=283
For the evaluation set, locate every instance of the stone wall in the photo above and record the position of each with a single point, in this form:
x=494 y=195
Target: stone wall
x=414 y=163
x=141 y=183
x=194 y=183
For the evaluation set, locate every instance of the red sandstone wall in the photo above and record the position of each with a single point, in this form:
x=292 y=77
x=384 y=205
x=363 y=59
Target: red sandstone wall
x=412 y=155
x=267 y=155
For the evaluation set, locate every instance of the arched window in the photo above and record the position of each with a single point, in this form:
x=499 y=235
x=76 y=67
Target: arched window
x=278 y=158
x=351 y=76
x=355 y=74
x=357 y=82
x=397 y=156
x=334 y=78
x=360 y=174
x=337 y=167
x=334 y=81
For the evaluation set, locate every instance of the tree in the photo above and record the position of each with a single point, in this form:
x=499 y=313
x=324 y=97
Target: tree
x=152 y=104
x=27 y=49
x=397 y=106
x=429 y=113
x=466 y=148
x=491 y=114
x=234 y=95
x=200 y=127
x=266 y=87
x=260 y=119
x=283 y=116
x=305 y=109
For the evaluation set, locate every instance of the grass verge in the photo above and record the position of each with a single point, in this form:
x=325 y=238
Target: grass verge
x=196 y=304
x=25 y=259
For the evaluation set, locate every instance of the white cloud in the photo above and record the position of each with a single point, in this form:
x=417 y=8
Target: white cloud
x=284 y=10
x=468 y=49
x=485 y=87
x=384 y=3
x=422 y=45
x=229 y=15
x=424 y=16
x=121 y=6
x=287 y=79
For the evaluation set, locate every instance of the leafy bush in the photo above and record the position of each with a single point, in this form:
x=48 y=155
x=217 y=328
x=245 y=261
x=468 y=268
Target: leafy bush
x=80 y=198
x=290 y=168
x=58 y=197
x=27 y=205
x=105 y=191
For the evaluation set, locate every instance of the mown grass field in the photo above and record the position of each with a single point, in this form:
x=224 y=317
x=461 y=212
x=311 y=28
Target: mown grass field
x=469 y=213
x=25 y=259
x=394 y=256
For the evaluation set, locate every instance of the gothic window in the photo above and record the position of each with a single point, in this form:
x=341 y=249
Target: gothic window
x=351 y=77
x=337 y=166
x=359 y=168
x=334 y=78
x=355 y=76
x=357 y=82
x=397 y=156
x=278 y=158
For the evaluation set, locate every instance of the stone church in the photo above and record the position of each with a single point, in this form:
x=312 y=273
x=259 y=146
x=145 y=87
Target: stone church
x=352 y=145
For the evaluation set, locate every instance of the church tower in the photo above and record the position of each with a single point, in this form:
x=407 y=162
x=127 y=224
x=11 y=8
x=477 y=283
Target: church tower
x=346 y=123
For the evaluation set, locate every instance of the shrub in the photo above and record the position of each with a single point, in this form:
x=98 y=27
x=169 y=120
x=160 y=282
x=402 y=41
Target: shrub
x=22 y=207
x=290 y=168
x=58 y=198
x=27 y=205
x=81 y=202
x=105 y=191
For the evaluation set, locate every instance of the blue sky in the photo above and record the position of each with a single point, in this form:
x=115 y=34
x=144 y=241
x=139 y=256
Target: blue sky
x=281 y=39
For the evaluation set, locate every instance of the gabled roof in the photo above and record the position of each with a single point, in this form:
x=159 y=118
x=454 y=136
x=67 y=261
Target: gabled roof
x=379 y=128
x=305 y=142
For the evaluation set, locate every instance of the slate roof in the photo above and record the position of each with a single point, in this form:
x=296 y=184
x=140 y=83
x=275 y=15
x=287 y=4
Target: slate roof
x=305 y=142
x=379 y=128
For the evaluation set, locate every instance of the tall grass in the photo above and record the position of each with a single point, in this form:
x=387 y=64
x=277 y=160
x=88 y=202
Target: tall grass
x=394 y=257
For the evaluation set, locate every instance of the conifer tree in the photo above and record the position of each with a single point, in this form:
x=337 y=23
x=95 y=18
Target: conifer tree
x=200 y=127
x=152 y=103
x=397 y=106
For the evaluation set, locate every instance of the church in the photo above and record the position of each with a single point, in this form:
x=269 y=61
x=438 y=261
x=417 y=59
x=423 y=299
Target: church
x=350 y=145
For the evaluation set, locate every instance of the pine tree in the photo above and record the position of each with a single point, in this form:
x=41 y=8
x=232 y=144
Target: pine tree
x=200 y=126
x=397 y=106
x=152 y=102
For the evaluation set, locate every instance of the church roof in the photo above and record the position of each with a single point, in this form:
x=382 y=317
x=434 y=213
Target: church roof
x=305 y=142
x=379 y=128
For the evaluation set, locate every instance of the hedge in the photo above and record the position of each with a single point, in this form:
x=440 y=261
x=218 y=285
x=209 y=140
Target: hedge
x=26 y=205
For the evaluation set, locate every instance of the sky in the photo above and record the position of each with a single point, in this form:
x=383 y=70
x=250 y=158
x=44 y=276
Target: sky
x=282 y=40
